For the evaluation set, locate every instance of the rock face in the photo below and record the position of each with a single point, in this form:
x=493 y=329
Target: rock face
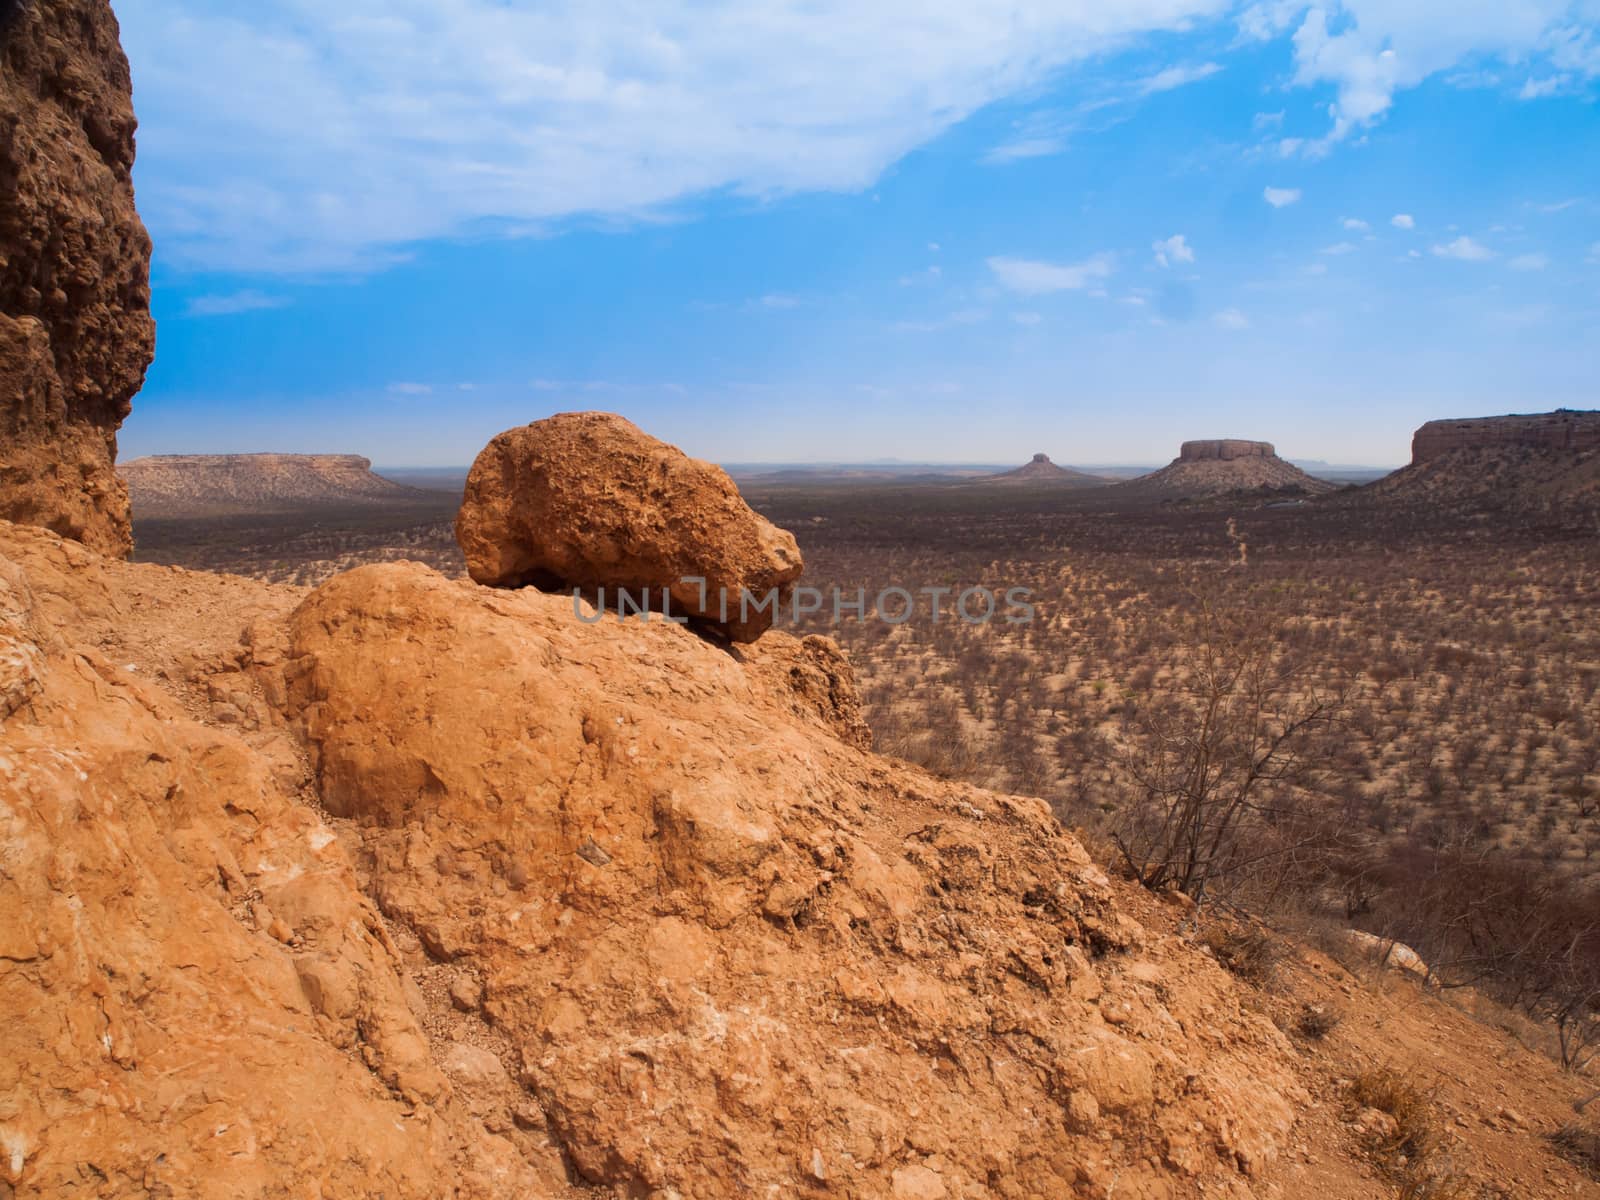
x=588 y=501
x=1225 y=467
x=186 y=484
x=75 y=328
x=1042 y=470
x=1224 y=450
x=185 y=953
x=734 y=954
x=1563 y=430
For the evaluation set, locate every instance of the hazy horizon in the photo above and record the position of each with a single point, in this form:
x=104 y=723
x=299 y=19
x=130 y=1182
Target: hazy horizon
x=937 y=232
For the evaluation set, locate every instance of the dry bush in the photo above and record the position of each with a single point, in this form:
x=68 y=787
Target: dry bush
x=1397 y=1093
x=1316 y=1022
x=1245 y=949
x=1579 y=1144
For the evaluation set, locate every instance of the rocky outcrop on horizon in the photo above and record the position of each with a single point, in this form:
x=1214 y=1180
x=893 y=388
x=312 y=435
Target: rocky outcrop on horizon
x=75 y=328
x=1224 y=450
x=1539 y=468
x=589 y=501
x=1561 y=430
x=1225 y=467
x=1042 y=471
x=209 y=484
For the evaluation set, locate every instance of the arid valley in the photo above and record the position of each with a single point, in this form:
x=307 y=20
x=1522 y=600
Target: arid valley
x=939 y=799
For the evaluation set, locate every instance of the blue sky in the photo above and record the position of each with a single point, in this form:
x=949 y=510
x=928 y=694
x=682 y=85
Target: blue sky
x=941 y=230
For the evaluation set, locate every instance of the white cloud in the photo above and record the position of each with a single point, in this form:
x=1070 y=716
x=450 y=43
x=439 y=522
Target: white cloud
x=1033 y=278
x=1280 y=197
x=778 y=300
x=1231 y=318
x=305 y=135
x=1529 y=262
x=926 y=276
x=1355 y=225
x=233 y=303
x=1173 y=249
x=1026 y=318
x=1371 y=49
x=1267 y=120
x=410 y=389
x=1338 y=248
x=1177 y=77
x=1538 y=89
x=1594 y=253
x=1465 y=250
x=1403 y=221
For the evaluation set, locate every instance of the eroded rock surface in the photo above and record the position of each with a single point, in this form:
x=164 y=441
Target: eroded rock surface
x=1226 y=467
x=75 y=328
x=587 y=500
x=198 y=998
x=735 y=954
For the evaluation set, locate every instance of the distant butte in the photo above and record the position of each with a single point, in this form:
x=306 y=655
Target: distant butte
x=1226 y=466
x=187 y=484
x=1040 y=470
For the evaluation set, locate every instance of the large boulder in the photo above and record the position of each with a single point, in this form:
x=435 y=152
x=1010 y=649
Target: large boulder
x=589 y=501
x=75 y=328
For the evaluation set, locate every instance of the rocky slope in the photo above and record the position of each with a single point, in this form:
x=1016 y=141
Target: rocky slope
x=205 y=484
x=1225 y=467
x=75 y=328
x=1543 y=467
x=675 y=933
x=1042 y=471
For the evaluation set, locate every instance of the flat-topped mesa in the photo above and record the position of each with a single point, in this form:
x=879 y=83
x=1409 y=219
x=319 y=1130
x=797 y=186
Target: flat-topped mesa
x=75 y=328
x=177 y=484
x=1563 y=429
x=1224 y=450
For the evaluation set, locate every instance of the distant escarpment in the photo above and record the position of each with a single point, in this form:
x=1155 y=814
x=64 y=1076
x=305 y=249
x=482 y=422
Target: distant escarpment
x=1223 y=467
x=1563 y=430
x=1042 y=471
x=194 y=484
x=1543 y=467
x=75 y=328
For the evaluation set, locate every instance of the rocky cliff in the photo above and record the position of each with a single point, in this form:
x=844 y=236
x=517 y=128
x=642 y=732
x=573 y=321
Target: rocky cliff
x=1562 y=430
x=189 y=484
x=75 y=328
x=1224 y=450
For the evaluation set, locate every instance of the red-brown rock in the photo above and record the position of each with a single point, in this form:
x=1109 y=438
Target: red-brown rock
x=588 y=501
x=75 y=328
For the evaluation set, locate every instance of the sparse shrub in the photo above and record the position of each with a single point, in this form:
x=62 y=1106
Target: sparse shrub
x=1397 y=1093
x=1579 y=1144
x=1316 y=1022
x=1246 y=950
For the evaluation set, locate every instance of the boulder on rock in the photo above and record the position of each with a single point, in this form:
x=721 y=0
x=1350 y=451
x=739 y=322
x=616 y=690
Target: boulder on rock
x=589 y=501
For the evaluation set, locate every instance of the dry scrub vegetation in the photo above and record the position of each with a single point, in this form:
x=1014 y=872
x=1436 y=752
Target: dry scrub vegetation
x=1341 y=715
x=1380 y=720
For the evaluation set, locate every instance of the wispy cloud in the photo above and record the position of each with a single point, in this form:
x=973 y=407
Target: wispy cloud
x=1231 y=319
x=1280 y=197
x=1177 y=77
x=1529 y=262
x=410 y=389
x=777 y=300
x=1173 y=249
x=1355 y=225
x=1338 y=248
x=307 y=136
x=1464 y=249
x=233 y=303
x=1403 y=221
x=1033 y=277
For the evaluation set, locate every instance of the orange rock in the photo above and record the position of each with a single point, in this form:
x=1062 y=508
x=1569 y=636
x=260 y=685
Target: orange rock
x=588 y=501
